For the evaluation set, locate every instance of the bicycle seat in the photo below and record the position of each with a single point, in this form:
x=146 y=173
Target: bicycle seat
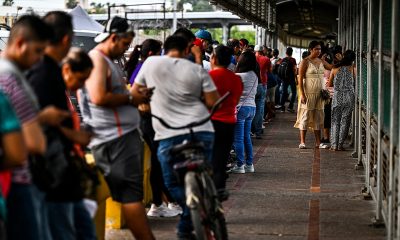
x=187 y=145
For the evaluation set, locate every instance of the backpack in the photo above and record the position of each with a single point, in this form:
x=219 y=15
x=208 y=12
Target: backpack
x=285 y=69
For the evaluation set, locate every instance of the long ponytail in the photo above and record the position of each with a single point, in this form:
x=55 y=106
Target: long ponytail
x=130 y=65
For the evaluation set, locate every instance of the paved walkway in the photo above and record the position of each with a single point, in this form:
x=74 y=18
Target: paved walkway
x=294 y=194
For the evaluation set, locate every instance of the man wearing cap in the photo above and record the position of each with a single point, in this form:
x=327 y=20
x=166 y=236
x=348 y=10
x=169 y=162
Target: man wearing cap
x=265 y=66
x=203 y=37
x=110 y=110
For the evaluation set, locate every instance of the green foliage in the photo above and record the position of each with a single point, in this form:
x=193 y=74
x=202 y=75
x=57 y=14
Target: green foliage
x=71 y=3
x=97 y=8
x=198 y=5
x=8 y=2
x=216 y=34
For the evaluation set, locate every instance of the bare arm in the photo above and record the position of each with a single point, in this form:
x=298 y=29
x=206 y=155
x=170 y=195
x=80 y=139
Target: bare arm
x=198 y=55
x=331 y=77
x=302 y=73
x=34 y=138
x=52 y=116
x=79 y=137
x=97 y=82
x=327 y=65
x=14 y=150
x=210 y=98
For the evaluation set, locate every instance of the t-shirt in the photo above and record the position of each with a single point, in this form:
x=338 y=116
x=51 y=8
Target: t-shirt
x=24 y=102
x=227 y=81
x=250 y=81
x=265 y=65
x=8 y=119
x=135 y=72
x=179 y=86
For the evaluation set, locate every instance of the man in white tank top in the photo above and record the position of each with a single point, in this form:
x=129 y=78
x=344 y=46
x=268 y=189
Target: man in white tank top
x=111 y=111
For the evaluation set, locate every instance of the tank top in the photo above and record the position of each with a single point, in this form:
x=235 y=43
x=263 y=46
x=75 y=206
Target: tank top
x=109 y=123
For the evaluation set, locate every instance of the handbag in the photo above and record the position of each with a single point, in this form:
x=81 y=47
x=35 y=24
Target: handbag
x=325 y=95
x=48 y=170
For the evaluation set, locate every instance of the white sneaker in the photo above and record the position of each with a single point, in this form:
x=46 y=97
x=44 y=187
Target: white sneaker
x=249 y=168
x=175 y=207
x=237 y=169
x=323 y=146
x=161 y=211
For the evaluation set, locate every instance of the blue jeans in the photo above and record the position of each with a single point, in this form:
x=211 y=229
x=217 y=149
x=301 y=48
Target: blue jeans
x=22 y=222
x=242 y=140
x=285 y=93
x=171 y=182
x=40 y=203
x=70 y=221
x=260 y=102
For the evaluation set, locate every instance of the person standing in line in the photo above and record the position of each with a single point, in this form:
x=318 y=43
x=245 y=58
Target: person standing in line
x=275 y=64
x=246 y=109
x=342 y=79
x=47 y=81
x=109 y=108
x=264 y=65
x=224 y=119
x=151 y=47
x=13 y=153
x=311 y=110
x=288 y=80
x=28 y=39
x=179 y=86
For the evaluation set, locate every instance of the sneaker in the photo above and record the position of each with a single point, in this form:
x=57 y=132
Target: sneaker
x=302 y=146
x=278 y=106
x=323 y=146
x=161 y=211
x=249 y=168
x=262 y=126
x=252 y=134
x=175 y=207
x=237 y=169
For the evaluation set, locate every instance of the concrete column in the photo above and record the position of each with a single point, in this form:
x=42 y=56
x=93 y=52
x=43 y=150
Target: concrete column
x=226 y=31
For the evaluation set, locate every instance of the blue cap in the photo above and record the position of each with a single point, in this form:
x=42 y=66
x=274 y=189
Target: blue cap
x=203 y=34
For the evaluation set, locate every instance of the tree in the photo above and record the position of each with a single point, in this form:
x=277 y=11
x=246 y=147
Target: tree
x=71 y=3
x=8 y=2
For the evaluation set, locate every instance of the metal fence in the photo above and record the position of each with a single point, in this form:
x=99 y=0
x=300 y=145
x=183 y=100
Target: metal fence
x=371 y=28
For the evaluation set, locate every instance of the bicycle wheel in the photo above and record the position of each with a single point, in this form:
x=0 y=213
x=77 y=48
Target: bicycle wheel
x=194 y=201
x=216 y=215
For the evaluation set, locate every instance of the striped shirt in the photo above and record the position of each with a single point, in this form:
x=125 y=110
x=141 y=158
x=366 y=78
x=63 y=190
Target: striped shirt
x=22 y=99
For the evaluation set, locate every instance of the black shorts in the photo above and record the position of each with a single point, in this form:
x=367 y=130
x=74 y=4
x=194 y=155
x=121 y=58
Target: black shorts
x=121 y=161
x=327 y=115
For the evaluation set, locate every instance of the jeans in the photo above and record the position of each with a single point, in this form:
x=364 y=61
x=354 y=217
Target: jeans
x=40 y=203
x=260 y=102
x=242 y=142
x=176 y=190
x=285 y=93
x=278 y=91
x=22 y=213
x=70 y=221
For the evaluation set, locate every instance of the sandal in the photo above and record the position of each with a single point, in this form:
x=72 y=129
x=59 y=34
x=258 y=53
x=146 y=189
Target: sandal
x=302 y=146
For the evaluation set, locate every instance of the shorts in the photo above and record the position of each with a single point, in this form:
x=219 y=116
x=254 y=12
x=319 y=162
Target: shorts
x=270 y=97
x=121 y=161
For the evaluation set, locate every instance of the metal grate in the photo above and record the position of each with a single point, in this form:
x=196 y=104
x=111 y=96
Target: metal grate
x=396 y=191
x=364 y=81
x=374 y=89
x=373 y=161
x=363 y=131
x=385 y=174
x=375 y=24
x=386 y=100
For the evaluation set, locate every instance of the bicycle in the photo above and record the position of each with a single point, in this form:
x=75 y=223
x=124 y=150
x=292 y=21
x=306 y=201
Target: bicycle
x=194 y=172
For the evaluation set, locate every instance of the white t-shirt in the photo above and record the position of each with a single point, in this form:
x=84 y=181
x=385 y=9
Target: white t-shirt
x=179 y=85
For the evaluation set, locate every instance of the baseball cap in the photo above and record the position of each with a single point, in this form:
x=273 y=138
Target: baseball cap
x=203 y=34
x=114 y=25
x=258 y=48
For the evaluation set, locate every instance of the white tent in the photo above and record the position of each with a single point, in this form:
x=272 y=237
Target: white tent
x=83 y=22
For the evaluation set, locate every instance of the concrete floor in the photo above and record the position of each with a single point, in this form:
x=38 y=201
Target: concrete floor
x=294 y=194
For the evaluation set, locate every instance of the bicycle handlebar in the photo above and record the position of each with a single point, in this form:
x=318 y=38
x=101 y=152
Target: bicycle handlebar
x=195 y=124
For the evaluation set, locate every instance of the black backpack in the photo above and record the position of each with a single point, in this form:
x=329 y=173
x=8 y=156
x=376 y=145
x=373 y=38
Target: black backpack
x=285 y=69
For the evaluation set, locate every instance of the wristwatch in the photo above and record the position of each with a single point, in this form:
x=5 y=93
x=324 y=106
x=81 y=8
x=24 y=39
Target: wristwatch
x=130 y=98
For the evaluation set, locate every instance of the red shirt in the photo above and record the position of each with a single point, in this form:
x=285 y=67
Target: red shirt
x=265 y=65
x=227 y=81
